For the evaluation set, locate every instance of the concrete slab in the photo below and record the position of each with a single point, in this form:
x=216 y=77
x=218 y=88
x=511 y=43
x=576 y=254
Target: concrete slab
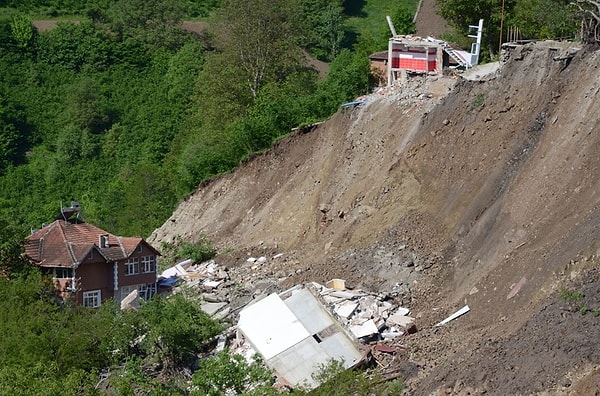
x=400 y=320
x=366 y=329
x=271 y=327
x=482 y=72
x=211 y=308
x=346 y=309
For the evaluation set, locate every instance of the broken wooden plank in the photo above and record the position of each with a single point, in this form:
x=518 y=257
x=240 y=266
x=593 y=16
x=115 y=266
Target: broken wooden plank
x=455 y=315
x=516 y=288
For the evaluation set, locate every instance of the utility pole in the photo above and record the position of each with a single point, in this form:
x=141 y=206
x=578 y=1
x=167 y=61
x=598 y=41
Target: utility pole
x=501 y=27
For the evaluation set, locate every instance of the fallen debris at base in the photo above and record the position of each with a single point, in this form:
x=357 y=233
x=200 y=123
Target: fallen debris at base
x=297 y=331
x=337 y=284
x=355 y=103
x=455 y=315
x=131 y=301
x=176 y=270
x=513 y=292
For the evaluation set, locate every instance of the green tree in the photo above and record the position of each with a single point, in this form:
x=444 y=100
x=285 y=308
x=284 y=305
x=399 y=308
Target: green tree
x=42 y=378
x=11 y=248
x=323 y=27
x=462 y=13
x=48 y=348
x=544 y=19
x=227 y=372
x=183 y=68
x=75 y=46
x=169 y=330
x=22 y=31
x=10 y=138
x=85 y=106
x=154 y=23
x=348 y=78
x=258 y=40
x=402 y=18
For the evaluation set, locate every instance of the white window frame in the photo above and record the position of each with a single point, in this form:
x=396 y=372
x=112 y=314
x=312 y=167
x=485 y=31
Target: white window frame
x=144 y=291
x=148 y=264
x=147 y=291
x=132 y=266
x=126 y=290
x=92 y=298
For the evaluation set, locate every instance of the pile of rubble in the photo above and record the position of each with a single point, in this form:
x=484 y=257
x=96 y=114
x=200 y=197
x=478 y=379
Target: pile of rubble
x=369 y=317
x=300 y=329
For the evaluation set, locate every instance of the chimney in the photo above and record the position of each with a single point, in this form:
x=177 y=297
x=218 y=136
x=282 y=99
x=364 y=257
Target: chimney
x=103 y=242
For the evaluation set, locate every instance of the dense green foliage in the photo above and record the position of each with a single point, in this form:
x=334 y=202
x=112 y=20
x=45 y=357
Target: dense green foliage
x=125 y=112
x=225 y=373
x=47 y=348
x=535 y=19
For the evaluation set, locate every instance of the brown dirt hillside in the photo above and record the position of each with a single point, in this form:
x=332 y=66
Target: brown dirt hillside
x=483 y=192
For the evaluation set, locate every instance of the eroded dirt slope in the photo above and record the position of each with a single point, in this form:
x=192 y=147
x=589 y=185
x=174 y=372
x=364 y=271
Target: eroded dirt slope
x=484 y=193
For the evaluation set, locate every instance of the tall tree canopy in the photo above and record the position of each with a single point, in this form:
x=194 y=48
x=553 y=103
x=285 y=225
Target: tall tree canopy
x=258 y=39
x=535 y=19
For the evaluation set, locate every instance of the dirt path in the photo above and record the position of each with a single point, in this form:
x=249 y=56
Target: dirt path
x=428 y=22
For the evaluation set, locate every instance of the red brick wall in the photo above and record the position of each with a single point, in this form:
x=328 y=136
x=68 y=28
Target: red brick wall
x=414 y=59
x=95 y=275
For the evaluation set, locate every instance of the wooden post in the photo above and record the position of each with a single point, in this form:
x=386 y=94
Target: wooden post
x=501 y=26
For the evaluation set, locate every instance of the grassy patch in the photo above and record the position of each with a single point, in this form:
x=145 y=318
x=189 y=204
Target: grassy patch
x=575 y=300
x=478 y=101
x=367 y=17
x=571 y=295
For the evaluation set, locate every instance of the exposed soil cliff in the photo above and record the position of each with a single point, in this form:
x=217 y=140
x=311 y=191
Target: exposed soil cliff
x=483 y=192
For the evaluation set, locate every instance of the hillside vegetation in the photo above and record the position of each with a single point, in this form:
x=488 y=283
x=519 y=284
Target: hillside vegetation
x=129 y=114
x=126 y=112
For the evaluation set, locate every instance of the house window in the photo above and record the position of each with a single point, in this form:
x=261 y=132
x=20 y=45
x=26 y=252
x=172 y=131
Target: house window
x=140 y=248
x=132 y=266
x=92 y=299
x=126 y=290
x=148 y=264
x=144 y=291
x=147 y=291
x=90 y=255
x=63 y=273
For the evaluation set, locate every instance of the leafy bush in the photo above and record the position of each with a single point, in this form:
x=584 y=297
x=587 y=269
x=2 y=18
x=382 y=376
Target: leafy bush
x=227 y=372
x=571 y=295
x=168 y=330
x=335 y=380
x=198 y=252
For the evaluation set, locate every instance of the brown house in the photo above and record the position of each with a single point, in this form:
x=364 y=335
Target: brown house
x=90 y=265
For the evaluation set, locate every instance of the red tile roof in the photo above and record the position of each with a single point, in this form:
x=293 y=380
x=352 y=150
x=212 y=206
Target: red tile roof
x=66 y=243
